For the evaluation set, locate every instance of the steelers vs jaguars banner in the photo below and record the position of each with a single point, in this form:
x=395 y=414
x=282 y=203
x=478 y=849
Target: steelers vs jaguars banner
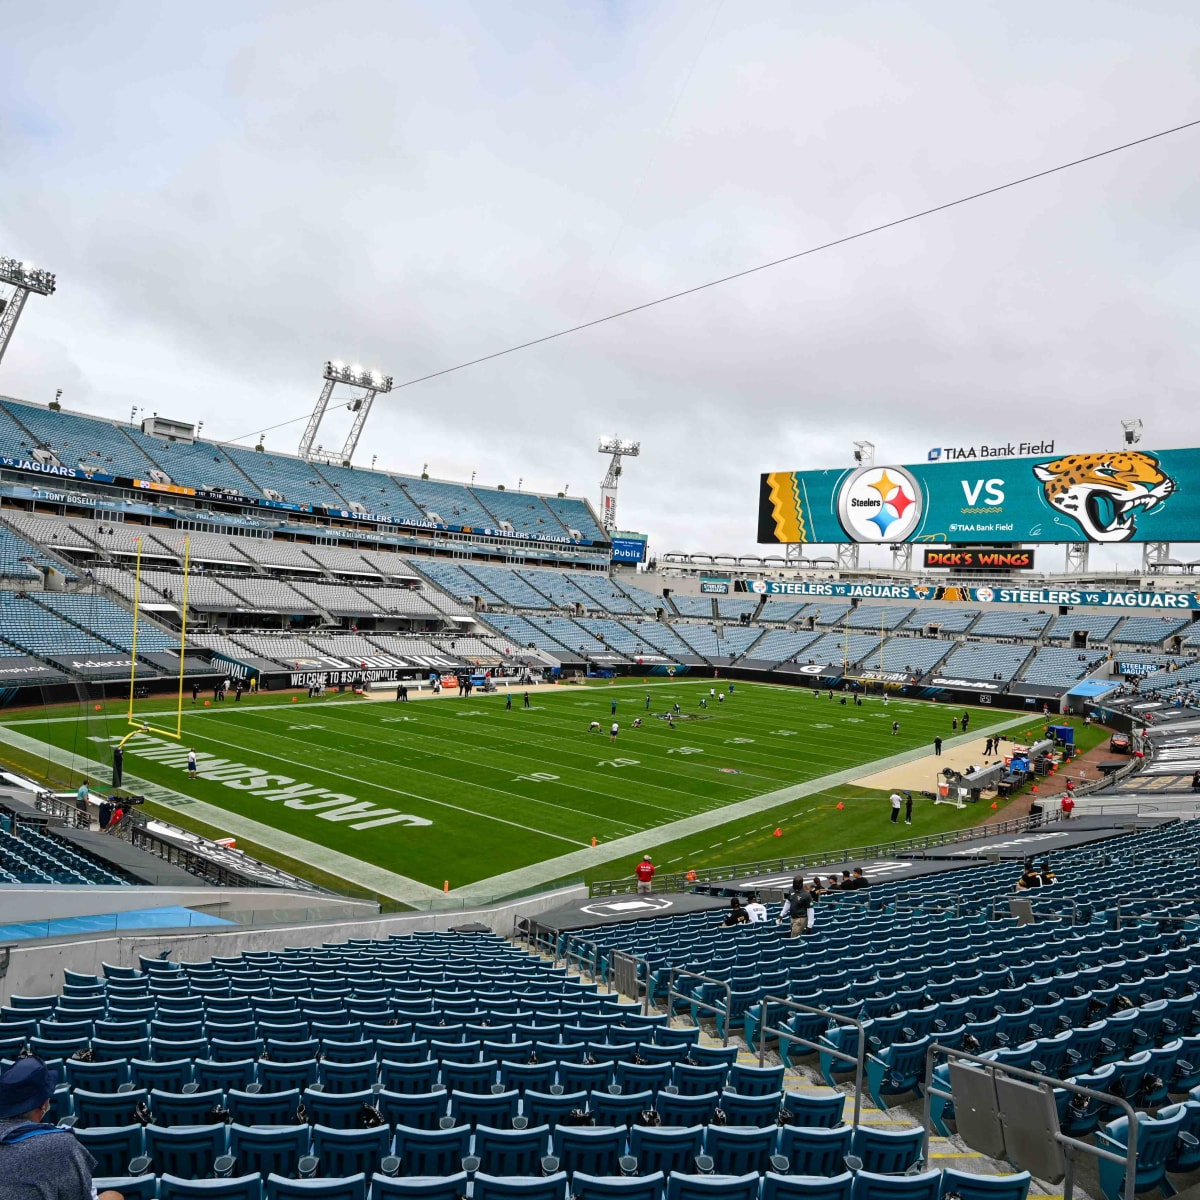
x=1108 y=497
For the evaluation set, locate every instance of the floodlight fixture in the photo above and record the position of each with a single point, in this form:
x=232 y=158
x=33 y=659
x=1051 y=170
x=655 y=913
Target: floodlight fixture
x=864 y=454
x=619 y=448
x=26 y=275
x=1132 y=430
x=357 y=376
x=24 y=278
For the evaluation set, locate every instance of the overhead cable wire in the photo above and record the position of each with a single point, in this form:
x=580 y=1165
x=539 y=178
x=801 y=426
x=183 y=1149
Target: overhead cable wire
x=845 y=239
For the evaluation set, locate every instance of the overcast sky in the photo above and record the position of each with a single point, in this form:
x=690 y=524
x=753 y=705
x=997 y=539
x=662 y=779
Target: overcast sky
x=232 y=193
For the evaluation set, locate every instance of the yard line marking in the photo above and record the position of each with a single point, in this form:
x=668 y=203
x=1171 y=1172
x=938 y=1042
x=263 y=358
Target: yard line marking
x=383 y=787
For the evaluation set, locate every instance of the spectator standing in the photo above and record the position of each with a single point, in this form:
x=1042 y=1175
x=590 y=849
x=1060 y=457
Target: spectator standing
x=937 y=745
x=527 y=705
x=908 y=807
x=38 y=1159
x=1067 y=804
x=645 y=876
x=756 y=911
x=895 y=798
x=81 y=798
x=508 y=702
x=796 y=907
x=966 y=720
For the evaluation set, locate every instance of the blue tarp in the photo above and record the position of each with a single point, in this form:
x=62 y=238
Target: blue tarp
x=169 y=917
x=1094 y=687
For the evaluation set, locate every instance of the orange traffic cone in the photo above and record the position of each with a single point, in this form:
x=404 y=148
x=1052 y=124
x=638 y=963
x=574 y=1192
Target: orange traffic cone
x=778 y=833
x=840 y=805
x=207 y=703
x=994 y=804
x=294 y=699
x=96 y=707
x=593 y=841
x=446 y=886
x=1033 y=789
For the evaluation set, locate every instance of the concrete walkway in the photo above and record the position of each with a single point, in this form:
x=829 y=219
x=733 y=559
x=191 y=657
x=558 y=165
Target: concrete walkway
x=342 y=866
x=634 y=846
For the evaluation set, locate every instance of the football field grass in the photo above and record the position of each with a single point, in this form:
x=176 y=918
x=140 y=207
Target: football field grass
x=464 y=789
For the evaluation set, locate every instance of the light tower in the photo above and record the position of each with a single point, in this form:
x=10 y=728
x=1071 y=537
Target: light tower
x=23 y=278
x=619 y=449
x=371 y=382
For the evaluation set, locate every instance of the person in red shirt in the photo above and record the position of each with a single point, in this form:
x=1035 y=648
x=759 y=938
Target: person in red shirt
x=1067 y=805
x=645 y=874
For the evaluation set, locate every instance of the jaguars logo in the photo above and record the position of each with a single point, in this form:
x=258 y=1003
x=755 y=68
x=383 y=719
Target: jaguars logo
x=1102 y=493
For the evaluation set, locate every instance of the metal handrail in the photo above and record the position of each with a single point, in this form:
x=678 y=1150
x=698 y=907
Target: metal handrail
x=642 y=962
x=1128 y=1160
x=679 y=881
x=1163 y=900
x=857 y=1059
x=595 y=961
x=997 y=901
x=672 y=993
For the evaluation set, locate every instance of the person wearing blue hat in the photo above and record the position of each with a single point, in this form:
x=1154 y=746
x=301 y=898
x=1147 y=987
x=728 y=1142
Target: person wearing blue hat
x=39 y=1160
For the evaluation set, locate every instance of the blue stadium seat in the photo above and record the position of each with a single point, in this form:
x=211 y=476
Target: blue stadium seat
x=491 y=1187
x=541 y=1108
x=420 y=1187
x=495 y=1109
x=925 y=1186
x=815 y=1151
x=188 y=1151
x=1156 y=1144
x=409 y=1077
x=340 y=1111
x=807 y=1187
x=283 y=1077
x=178 y=1108
x=985 y=1187
x=664 y=1149
x=695 y=1081
x=269 y=1150
x=432 y=1151
x=886 y=1151
x=345 y=1152
x=246 y=1187
x=823 y=1112
x=684 y=1110
x=417 y=1111
x=738 y=1150
x=341 y=1077
x=755 y=1081
x=140 y=1187
x=618 y=1187
x=113 y=1147
x=93 y=1109
x=222 y=1077
x=263 y=1108
x=511 y=1151
x=171 y=1076
x=711 y=1187
x=279 y=1188
x=751 y=1110
x=594 y=1150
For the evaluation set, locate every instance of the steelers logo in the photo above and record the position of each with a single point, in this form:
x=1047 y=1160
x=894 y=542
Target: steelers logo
x=880 y=504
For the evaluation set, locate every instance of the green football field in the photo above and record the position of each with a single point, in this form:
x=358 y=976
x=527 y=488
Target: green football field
x=465 y=790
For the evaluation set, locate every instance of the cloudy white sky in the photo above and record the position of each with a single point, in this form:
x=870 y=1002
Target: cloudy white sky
x=232 y=193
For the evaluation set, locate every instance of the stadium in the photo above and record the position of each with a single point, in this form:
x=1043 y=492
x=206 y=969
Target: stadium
x=371 y=835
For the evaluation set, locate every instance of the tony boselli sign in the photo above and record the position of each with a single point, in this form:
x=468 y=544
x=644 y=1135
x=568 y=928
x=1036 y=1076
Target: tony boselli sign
x=975 y=559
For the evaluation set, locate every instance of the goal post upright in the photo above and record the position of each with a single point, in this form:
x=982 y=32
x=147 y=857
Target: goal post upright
x=137 y=591
x=145 y=726
x=187 y=558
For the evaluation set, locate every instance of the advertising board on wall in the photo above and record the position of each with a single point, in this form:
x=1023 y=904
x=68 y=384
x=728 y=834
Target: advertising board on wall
x=625 y=549
x=715 y=587
x=978 y=560
x=1109 y=497
x=1180 y=602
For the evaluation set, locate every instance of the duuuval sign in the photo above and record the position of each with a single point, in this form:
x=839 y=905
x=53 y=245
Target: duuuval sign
x=254 y=781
